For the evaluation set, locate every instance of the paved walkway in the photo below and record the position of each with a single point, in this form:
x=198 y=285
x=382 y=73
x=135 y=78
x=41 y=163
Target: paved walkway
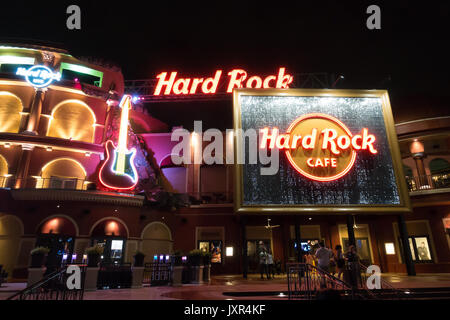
x=232 y=283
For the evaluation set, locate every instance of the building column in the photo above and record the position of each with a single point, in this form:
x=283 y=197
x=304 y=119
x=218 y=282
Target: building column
x=417 y=150
x=35 y=112
x=421 y=173
x=23 y=166
x=244 y=247
x=407 y=257
x=350 y=230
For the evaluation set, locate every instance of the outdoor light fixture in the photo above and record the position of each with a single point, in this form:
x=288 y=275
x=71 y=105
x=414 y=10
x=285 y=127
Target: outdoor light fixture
x=74 y=257
x=167 y=257
x=161 y=257
x=183 y=258
x=64 y=257
x=390 y=248
x=84 y=258
x=229 y=251
x=155 y=257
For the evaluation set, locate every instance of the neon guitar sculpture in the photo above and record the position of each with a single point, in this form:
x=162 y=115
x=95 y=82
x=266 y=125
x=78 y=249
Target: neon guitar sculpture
x=118 y=170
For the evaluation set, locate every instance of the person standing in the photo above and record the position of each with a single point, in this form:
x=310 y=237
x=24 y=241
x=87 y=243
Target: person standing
x=340 y=261
x=323 y=255
x=352 y=259
x=262 y=253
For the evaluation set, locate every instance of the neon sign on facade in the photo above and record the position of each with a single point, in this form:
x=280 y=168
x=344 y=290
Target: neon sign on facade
x=118 y=171
x=39 y=76
x=237 y=78
x=319 y=146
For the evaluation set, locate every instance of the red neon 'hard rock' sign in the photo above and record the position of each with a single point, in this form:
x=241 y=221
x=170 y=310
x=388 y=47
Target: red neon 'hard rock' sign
x=319 y=146
x=237 y=78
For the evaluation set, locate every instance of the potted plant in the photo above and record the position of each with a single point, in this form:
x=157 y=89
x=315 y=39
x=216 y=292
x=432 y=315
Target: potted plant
x=195 y=259
x=36 y=270
x=37 y=256
x=177 y=273
x=207 y=269
x=177 y=258
x=94 y=253
x=139 y=258
x=137 y=270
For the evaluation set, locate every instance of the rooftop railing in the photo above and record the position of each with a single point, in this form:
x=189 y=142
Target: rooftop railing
x=45 y=183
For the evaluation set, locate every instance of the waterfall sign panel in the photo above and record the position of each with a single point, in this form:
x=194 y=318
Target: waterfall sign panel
x=328 y=151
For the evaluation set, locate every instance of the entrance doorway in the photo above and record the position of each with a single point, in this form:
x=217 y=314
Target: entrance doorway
x=363 y=249
x=58 y=235
x=252 y=253
x=113 y=248
x=112 y=235
x=59 y=244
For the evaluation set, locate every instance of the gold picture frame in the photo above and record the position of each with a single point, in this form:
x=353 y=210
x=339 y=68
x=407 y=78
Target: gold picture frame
x=403 y=207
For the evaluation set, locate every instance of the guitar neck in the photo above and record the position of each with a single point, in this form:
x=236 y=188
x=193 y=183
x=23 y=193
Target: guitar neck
x=123 y=132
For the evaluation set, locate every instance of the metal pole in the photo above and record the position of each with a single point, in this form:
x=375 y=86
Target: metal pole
x=407 y=257
x=350 y=230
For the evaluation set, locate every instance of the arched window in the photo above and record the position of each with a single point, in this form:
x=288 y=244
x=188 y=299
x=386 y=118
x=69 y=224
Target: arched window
x=440 y=173
x=156 y=240
x=11 y=230
x=407 y=170
x=3 y=171
x=439 y=165
x=72 y=119
x=10 y=109
x=62 y=173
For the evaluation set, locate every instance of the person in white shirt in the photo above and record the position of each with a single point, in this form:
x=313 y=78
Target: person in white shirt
x=323 y=255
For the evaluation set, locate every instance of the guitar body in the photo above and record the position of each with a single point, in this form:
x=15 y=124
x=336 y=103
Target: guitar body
x=110 y=177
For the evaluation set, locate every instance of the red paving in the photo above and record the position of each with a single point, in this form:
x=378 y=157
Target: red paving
x=233 y=283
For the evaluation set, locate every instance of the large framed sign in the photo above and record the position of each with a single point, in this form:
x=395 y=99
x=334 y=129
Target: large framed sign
x=309 y=150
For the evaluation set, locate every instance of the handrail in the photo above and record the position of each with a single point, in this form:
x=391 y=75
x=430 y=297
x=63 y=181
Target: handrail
x=51 y=287
x=399 y=292
x=306 y=281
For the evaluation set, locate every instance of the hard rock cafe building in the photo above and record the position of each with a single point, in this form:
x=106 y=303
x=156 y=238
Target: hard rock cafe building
x=57 y=187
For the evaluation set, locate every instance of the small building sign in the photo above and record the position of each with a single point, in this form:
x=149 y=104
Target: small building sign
x=39 y=76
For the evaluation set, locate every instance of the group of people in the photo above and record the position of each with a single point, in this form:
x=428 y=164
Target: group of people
x=336 y=262
x=266 y=262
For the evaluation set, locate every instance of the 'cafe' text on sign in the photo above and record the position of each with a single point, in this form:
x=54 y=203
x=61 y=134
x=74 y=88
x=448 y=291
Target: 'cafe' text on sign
x=237 y=78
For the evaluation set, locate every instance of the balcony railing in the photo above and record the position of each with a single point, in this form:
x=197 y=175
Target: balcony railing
x=45 y=183
x=428 y=182
x=200 y=198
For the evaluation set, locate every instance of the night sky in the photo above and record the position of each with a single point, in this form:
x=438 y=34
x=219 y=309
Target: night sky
x=408 y=56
